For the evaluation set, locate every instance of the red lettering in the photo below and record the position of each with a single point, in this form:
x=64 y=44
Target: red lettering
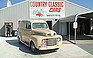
x=55 y=4
x=51 y=10
x=46 y=4
x=54 y=9
x=38 y=4
x=58 y=9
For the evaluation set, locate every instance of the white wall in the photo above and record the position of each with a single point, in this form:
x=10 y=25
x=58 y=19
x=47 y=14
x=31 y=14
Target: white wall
x=13 y=13
x=63 y=28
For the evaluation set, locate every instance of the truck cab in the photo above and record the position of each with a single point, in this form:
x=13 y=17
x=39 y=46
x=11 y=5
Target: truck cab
x=37 y=35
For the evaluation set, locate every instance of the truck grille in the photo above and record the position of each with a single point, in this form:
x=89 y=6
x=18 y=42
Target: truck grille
x=51 y=42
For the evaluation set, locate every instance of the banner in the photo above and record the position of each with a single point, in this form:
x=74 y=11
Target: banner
x=47 y=9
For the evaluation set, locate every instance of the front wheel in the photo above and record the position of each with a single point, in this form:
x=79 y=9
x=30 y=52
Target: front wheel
x=33 y=48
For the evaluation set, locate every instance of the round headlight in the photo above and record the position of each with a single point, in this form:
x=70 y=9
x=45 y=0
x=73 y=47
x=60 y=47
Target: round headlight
x=55 y=33
x=43 y=41
x=59 y=39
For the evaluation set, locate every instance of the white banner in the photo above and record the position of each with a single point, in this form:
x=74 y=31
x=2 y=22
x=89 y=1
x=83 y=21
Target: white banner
x=47 y=9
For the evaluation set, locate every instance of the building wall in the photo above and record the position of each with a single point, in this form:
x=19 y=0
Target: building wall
x=22 y=11
x=73 y=9
x=13 y=13
x=63 y=28
x=56 y=26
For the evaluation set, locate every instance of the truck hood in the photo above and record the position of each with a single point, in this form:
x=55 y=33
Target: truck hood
x=44 y=32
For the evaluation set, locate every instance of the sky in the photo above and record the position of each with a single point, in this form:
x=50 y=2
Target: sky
x=3 y=3
x=85 y=3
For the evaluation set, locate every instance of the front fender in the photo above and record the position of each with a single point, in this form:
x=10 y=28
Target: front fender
x=37 y=40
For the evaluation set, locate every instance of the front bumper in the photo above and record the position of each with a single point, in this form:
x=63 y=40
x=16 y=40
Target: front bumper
x=50 y=47
x=50 y=44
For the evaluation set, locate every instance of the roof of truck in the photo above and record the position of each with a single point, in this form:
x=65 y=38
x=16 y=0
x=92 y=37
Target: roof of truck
x=33 y=21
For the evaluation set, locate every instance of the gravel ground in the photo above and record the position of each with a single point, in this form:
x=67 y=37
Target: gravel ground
x=10 y=48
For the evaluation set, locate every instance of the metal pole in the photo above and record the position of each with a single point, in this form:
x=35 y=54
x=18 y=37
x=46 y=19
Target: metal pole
x=76 y=28
x=69 y=30
x=75 y=35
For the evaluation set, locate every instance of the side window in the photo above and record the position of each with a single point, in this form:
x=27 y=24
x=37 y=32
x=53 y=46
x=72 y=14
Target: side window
x=28 y=26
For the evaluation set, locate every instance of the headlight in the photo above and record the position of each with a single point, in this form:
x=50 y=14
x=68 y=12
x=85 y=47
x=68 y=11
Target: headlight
x=59 y=39
x=55 y=33
x=43 y=41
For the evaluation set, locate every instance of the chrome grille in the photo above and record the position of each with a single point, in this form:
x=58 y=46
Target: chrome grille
x=51 y=42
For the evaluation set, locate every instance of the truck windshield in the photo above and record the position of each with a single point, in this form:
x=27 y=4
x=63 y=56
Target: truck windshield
x=39 y=25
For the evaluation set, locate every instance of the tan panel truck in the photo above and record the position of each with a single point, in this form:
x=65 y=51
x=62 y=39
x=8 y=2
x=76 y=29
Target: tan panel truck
x=37 y=35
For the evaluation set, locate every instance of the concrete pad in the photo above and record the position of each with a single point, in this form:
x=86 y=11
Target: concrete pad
x=10 y=48
x=88 y=57
x=71 y=50
x=82 y=57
